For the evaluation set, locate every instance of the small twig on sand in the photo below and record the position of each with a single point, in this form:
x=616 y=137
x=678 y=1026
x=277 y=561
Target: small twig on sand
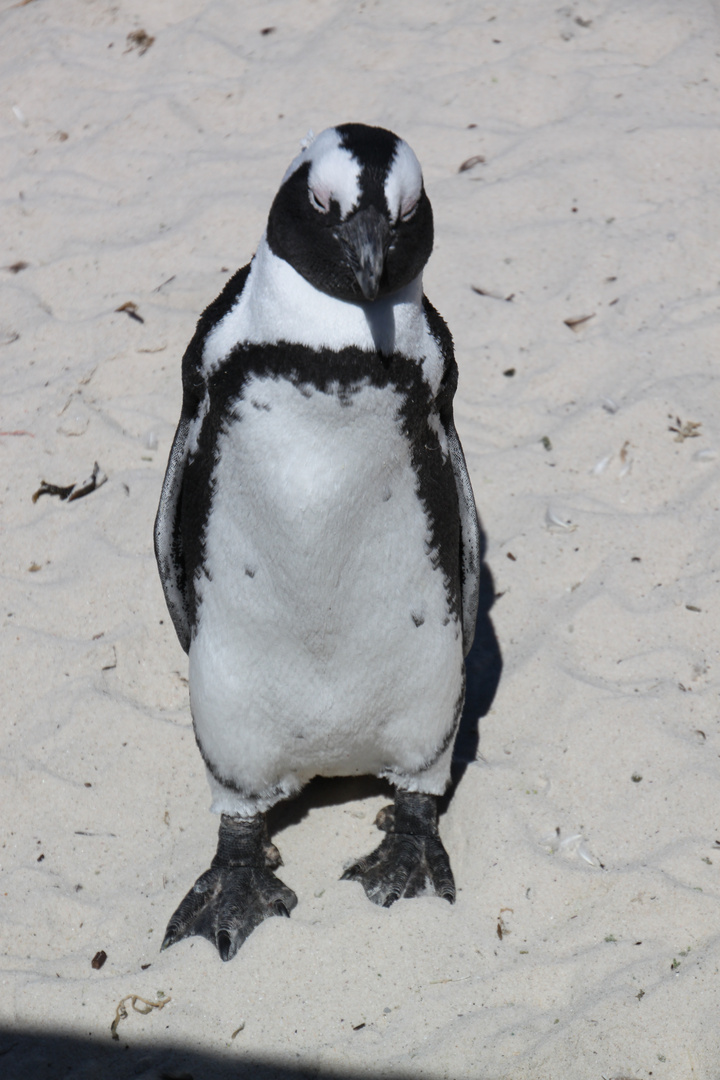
x=121 y=1011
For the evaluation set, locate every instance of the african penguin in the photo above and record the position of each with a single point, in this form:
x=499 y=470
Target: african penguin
x=317 y=538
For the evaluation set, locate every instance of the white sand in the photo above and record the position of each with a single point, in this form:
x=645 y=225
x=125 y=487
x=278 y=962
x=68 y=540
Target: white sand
x=598 y=121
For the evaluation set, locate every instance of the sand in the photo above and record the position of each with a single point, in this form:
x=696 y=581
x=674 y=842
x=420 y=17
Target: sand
x=576 y=265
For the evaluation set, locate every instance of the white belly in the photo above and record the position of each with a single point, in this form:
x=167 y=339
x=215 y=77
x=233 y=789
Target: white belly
x=324 y=642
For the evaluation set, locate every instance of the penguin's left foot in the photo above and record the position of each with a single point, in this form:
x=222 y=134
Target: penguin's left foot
x=237 y=893
x=411 y=860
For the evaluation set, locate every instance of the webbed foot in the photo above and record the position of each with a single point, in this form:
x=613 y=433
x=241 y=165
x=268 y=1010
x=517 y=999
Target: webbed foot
x=237 y=893
x=411 y=860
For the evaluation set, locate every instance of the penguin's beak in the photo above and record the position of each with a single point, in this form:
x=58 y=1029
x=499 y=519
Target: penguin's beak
x=365 y=239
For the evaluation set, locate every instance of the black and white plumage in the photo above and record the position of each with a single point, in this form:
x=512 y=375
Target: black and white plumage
x=317 y=537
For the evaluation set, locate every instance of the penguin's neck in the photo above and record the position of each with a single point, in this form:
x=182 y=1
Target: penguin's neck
x=277 y=304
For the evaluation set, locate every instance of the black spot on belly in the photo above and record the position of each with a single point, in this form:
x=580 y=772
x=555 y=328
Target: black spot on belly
x=264 y=405
x=346 y=394
x=417 y=619
x=250 y=571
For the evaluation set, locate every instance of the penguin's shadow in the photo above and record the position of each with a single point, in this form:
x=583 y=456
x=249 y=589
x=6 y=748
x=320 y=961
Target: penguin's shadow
x=483 y=668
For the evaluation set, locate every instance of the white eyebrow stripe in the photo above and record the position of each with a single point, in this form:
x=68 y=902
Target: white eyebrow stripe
x=337 y=174
x=334 y=172
x=404 y=181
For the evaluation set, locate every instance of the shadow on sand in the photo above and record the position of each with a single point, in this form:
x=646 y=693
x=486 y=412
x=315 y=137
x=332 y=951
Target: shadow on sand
x=34 y=1055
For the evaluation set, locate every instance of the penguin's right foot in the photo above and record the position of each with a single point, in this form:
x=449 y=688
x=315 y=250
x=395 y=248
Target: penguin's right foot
x=239 y=890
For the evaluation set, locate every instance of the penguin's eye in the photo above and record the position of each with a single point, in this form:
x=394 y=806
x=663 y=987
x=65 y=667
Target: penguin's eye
x=407 y=212
x=317 y=202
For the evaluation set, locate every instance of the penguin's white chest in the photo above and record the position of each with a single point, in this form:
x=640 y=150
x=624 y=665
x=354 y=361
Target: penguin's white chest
x=324 y=640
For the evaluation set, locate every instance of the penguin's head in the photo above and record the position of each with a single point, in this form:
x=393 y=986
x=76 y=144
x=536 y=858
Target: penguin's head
x=352 y=215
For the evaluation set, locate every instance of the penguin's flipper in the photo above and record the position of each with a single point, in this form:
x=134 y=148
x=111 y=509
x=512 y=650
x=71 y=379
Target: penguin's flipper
x=411 y=860
x=237 y=893
x=470 y=554
x=169 y=548
x=168 y=535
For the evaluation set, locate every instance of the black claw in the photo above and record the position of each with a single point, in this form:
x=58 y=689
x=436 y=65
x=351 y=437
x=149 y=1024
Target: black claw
x=280 y=909
x=224 y=945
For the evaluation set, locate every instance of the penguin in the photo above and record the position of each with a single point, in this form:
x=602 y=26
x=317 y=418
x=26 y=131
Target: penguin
x=317 y=538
